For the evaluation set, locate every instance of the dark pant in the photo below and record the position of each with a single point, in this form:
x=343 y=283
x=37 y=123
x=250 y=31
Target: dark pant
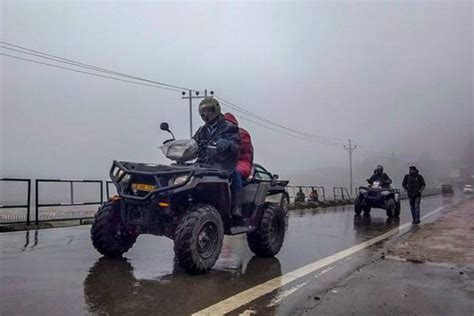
x=415 y=208
x=236 y=181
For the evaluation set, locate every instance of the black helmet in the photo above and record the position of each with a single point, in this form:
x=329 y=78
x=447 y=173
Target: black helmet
x=379 y=169
x=209 y=109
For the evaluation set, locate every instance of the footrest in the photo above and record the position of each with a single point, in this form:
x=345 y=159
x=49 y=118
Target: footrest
x=240 y=229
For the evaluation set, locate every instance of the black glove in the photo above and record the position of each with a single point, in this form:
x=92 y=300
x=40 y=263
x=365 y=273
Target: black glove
x=223 y=145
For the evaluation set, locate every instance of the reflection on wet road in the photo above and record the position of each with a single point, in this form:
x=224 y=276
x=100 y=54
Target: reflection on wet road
x=57 y=271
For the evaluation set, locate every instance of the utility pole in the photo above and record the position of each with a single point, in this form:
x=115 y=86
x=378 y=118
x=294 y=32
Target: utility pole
x=395 y=172
x=350 y=148
x=190 y=97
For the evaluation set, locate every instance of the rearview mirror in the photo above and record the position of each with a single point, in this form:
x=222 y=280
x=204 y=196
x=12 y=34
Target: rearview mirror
x=164 y=126
x=275 y=177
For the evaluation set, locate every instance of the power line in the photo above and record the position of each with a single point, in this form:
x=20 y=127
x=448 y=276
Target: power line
x=312 y=140
x=234 y=107
x=323 y=138
x=36 y=53
x=40 y=54
x=282 y=132
x=87 y=73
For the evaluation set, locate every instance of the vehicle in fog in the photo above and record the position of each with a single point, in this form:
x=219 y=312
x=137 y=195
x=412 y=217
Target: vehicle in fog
x=191 y=204
x=468 y=189
x=447 y=189
x=376 y=196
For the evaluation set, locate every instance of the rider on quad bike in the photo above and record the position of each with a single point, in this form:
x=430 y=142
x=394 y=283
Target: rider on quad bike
x=380 y=176
x=379 y=194
x=191 y=202
x=225 y=136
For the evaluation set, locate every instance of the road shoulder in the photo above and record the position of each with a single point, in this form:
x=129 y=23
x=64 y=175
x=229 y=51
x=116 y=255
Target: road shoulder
x=429 y=271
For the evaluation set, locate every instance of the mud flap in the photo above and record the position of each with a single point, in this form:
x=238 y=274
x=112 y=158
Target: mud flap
x=259 y=202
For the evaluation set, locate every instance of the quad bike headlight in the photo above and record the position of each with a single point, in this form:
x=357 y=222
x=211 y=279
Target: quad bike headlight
x=180 y=180
x=123 y=178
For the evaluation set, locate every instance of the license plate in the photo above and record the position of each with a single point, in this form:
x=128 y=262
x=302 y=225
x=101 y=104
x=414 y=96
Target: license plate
x=143 y=187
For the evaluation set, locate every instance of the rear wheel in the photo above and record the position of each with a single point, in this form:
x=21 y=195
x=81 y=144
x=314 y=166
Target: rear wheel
x=110 y=236
x=398 y=209
x=268 y=239
x=391 y=207
x=198 y=239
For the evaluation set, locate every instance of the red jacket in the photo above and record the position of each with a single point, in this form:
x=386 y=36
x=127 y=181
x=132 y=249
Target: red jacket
x=244 y=166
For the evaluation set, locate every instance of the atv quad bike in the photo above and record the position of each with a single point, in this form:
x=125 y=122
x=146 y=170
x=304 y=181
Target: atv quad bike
x=189 y=203
x=375 y=196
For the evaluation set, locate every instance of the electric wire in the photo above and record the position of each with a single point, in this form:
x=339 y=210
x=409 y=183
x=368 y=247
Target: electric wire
x=40 y=54
x=86 y=72
x=282 y=129
x=331 y=139
x=56 y=58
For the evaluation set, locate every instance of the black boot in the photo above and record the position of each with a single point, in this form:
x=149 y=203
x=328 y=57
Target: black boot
x=237 y=215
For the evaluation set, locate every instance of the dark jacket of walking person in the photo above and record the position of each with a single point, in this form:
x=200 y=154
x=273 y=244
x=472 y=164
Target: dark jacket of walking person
x=244 y=166
x=414 y=184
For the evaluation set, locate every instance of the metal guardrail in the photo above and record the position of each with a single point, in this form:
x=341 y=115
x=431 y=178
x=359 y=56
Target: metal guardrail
x=107 y=190
x=28 y=197
x=39 y=205
x=341 y=194
x=292 y=189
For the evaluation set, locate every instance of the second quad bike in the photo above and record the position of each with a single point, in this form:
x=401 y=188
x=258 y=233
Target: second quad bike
x=191 y=204
x=376 y=196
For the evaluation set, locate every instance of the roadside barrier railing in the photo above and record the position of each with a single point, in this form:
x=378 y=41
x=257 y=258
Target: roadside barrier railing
x=66 y=215
x=341 y=194
x=17 y=218
x=108 y=184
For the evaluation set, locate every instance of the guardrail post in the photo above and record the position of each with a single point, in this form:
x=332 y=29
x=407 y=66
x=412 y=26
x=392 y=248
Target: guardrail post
x=36 y=201
x=71 y=187
x=28 y=203
x=101 y=192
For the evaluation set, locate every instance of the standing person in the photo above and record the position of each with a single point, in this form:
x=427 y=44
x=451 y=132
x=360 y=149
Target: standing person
x=224 y=136
x=414 y=184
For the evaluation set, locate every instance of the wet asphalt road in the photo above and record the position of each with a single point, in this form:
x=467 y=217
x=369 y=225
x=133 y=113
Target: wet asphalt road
x=58 y=272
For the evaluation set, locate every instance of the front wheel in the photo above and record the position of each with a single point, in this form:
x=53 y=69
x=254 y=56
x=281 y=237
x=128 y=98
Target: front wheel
x=358 y=206
x=110 y=236
x=268 y=239
x=198 y=239
x=285 y=205
x=367 y=209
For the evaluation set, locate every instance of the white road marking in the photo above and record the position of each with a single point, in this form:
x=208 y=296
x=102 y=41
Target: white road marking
x=323 y=271
x=280 y=297
x=238 y=300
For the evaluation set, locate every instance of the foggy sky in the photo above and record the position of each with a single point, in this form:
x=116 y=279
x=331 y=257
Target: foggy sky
x=395 y=77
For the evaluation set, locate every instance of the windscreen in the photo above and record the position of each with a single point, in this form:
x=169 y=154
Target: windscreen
x=180 y=150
